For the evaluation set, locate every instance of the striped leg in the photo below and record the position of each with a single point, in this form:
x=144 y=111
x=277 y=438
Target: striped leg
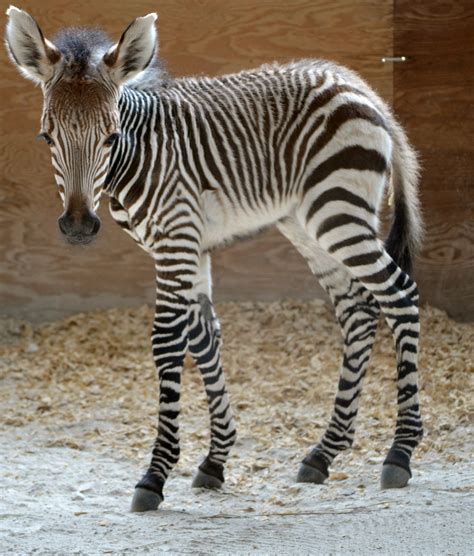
x=397 y=296
x=357 y=313
x=177 y=267
x=204 y=345
x=350 y=239
x=169 y=341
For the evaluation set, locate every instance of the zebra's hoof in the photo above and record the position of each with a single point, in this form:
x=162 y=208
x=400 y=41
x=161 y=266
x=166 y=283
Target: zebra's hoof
x=145 y=500
x=394 y=476
x=309 y=474
x=203 y=480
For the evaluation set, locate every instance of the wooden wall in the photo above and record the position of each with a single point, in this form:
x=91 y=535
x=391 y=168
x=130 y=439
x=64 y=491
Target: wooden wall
x=41 y=277
x=434 y=98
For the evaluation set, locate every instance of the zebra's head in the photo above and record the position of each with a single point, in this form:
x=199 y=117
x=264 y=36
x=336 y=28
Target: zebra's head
x=81 y=74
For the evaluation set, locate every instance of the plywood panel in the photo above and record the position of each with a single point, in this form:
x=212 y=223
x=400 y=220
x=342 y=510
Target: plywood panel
x=41 y=276
x=434 y=97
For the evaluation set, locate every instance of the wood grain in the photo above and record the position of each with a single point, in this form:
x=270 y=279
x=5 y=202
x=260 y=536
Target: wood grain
x=42 y=277
x=434 y=98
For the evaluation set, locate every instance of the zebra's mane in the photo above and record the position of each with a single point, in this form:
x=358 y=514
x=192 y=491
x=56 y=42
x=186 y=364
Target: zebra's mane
x=83 y=48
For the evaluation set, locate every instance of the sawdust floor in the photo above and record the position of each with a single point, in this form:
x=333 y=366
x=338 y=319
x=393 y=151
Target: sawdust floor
x=78 y=412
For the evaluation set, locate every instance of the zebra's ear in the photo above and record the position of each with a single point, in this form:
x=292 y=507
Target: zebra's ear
x=135 y=50
x=29 y=50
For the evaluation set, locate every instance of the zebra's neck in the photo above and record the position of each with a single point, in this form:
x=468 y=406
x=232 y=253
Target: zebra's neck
x=139 y=112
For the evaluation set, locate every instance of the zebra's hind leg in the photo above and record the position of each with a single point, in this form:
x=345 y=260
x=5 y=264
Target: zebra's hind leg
x=357 y=313
x=204 y=345
x=351 y=241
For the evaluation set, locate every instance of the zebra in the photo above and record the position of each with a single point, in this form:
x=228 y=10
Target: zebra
x=191 y=164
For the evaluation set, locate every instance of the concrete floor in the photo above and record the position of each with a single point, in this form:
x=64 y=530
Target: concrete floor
x=67 y=501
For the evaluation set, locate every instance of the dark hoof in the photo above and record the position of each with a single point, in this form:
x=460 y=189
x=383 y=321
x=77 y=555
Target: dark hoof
x=394 y=476
x=145 y=500
x=203 y=480
x=309 y=474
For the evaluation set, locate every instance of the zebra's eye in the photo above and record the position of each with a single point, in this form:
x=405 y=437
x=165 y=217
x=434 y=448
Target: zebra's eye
x=111 y=139
x=45 y=137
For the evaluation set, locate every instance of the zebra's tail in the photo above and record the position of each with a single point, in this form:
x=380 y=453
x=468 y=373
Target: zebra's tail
x=406 y=234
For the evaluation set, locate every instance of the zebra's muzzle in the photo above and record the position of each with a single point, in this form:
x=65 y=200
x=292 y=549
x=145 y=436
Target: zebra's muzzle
x=79 y=227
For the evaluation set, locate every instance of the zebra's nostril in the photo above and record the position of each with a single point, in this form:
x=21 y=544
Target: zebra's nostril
x=96 y=227
x=90 y=223
x=63 y=223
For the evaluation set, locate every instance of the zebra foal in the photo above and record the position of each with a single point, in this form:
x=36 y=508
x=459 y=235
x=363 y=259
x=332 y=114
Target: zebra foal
x=191 y=164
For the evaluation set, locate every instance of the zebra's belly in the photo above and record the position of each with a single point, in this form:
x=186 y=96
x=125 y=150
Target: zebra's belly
x=224 y=224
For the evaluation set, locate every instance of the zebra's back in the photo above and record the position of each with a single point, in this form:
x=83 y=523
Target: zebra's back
x=259 y=141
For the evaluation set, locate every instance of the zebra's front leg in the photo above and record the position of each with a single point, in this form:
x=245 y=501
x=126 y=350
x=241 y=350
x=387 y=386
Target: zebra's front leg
x=169 y=341
x=358 y=314
x=205 y=345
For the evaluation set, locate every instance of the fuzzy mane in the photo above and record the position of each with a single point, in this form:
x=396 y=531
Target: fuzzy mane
x=83 y=48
